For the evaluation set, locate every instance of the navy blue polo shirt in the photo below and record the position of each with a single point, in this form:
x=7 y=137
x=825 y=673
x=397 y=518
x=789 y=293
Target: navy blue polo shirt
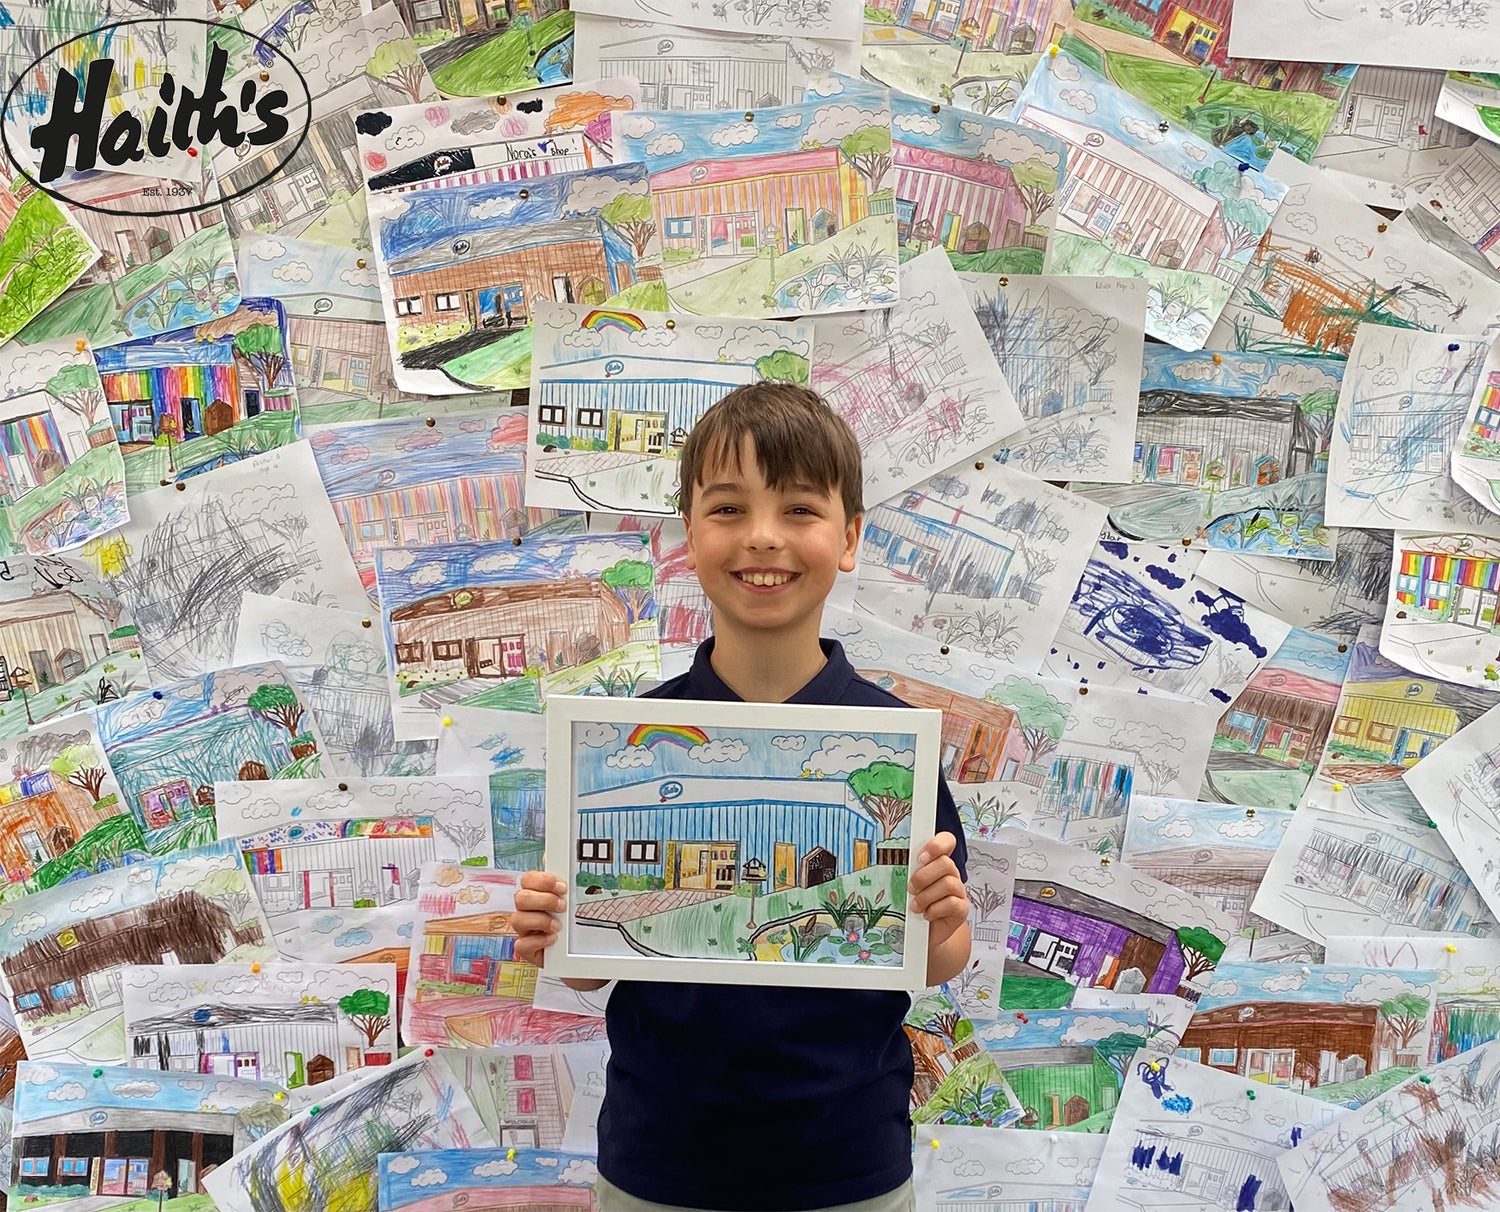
x=739 y=1097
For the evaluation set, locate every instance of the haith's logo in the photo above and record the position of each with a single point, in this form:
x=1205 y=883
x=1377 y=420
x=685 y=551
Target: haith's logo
x=182 y=119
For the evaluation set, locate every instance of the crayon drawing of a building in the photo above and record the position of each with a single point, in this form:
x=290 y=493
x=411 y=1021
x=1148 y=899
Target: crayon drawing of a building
x=295 y=1045
x=44 y=815
x=965 y=205
x=331 y=353
x=337 y=864
x=1011 y=27
x=692 y=70
x=1396 y=721
x=1386 y=877
x=1443 y=582
x=1296 y=1044
x=981 y=741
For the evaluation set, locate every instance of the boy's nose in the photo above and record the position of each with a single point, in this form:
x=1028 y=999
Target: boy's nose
x=763 y=534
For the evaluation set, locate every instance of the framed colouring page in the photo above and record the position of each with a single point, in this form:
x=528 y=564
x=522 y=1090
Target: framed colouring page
x=739 y=843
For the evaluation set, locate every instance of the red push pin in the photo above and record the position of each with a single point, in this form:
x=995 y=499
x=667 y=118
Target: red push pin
x=192 y=151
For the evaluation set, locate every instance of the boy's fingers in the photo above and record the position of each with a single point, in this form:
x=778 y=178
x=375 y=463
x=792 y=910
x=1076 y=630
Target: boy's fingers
x=956 y=907
x=528 y=901
x=928 y=874
x=543 y=881
x=532 y=924
x=941 y=846
x=951 y=886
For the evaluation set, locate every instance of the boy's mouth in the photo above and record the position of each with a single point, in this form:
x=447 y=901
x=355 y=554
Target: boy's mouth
x=764 y=578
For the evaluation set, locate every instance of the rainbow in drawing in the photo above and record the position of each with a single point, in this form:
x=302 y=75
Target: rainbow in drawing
x=651 y=735
x=598 y=320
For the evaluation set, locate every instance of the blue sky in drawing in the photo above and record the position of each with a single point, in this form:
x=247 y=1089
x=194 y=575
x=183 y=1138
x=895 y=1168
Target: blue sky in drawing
x=411 y=1178
x=174 y=704
x=183 y=347
x=1312 y=655
x=420 y=218
x=1013 y=1031
x=1155 y=824
x=1232 y=984
x=409 y=574
x=960 y=132
x=1237 y=374
x=387 y=455
x=665 y=140
x=1063 y=86
x=45 y=1089
x=301 y=271
x=604 y=759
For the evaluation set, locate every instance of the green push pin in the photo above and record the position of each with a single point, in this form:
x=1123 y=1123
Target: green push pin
x=98 y=1072
x=1424 y=1079
x=1250 y=1094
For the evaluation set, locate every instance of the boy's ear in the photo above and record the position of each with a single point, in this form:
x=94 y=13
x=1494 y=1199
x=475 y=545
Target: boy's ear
x=849 y=559
x=691 y=561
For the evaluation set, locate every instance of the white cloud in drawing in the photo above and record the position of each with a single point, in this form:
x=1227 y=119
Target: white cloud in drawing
x=185 y=874
x=664 y=145
x=789 y=744
x=37 y=1075
x=929 y=662
x=494 y=1169
x=281 y=641
x=142 y=713
x=1142 y=736
x=1014 y=146
x=266 y=249
x=632 y=757
x=1095 y=874
x=427 y=576
x=1386 y=376
x=748 y=342
x=404 y=137
x=1436 y=376
x=1195 y=151
x=1079 y=99
x=1249 y=827
x=1231 y=1113
x=972 y=1168
x=843 y=754
x=1299 y=379
x=28 y=923
x=582 y=338
x=971 y=128
x=917 y=124
x=1301 y=220
x=494 y=208
x=597 y=735
x=69 y=1092
x=1087 y=1028
x=720 y=749
x=1139 y=128
x=1284 y=982
x=1182 y=909
x=1198 y=372
x=138 y=1089
x=293 y=271
x=397 y=559
x=834 y=123
x=94 y=898
x=1063 y=68
x=404 y=1164
x=790 y=120
x=1376 y=987
x=1175 y=828
x=1224 y=988
x=1149 y=808
x=501 y=562
x=734 y=135
x=1032 y=860
x=1024 y=1165
x=429 y=1177
x=1358 y=250
x=1338 y=978
x=634 y=126
x=589 y=561
x=580 y=1172
x=361 y=278
x=653 y=338
x=1395 y=266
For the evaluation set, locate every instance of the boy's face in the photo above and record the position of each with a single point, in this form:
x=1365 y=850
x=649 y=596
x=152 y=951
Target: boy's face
x=766 y=557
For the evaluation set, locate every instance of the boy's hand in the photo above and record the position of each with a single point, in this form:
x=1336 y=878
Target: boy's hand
x=538 y=900
x=936 y=890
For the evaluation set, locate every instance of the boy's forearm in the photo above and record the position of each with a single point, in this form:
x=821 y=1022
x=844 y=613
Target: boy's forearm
x=579 y=985
x=949 y=958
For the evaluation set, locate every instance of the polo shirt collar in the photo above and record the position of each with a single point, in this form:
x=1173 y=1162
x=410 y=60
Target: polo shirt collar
x=827 y=686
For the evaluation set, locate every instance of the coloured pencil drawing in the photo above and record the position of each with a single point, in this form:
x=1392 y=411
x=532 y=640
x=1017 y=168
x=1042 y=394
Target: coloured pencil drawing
x=980 y=1169
x=991 y=873
x=784 y=842
x=809 y=18
x=1440 y=614
x=1472 y=100
x=44 y=248
x=1477 y=454
x=512 y=45
x=508 y=749
x=788 y=212
x=614 y=395
x=956 y=1080
x=1011 y=27
x=488 y=1178
x=1417 y=33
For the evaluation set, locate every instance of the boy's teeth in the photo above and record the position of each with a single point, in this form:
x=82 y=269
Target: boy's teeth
x=766 y=578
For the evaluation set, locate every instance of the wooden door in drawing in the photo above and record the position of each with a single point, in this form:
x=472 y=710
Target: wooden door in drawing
x=784 y=866
x=861 y=853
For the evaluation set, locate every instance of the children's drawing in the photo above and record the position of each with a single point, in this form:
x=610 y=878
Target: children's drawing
x=955 y=1080
x=778 y=211
x=1176 y=60
x=1140 y=617
x=1472 y=100
x=329 y=1160
x=508 y=749
x=776 y=835
x=61 y=960
x=837 y=22
x=1340 y=1034
x=44 y=248
x=190 y=552
x=614 y=395
x=487 y=1178
x=1334 y=597
x=1423 y=1145
x=1270 y=740
x=1456 y=786
x=982 y=189
x=1070 y=351
x=292 y=1024
x=91 y=1137
x=1476 y=462
x=916 y=381
x=1142 y=202
x=417 y=481
x=462 y=268
x=63 y=814
x=684 y=615
x=1009 y=27
x=1079 y=920
x=985 y=82
x=64 y=482
x=311 y=188
x=1387 y=720
x=1414 y=33
x=991 y=872
x=496 y=625
x=986 y=1171
x=67 y=642
x=465 y=986
x=681 y=68
x=1400 y=413
x=1218 y=852
x=1067 y=1066
x=1023 y=749
x=1440 y=616
x=1231 y=451
x=1328 y=265
x=512 y=45
x=1336 y=874
x=336 y=661
x=982 y=556
x=187 y=401
x=1187 y=1135
x=168 y=746
x=528 y=1096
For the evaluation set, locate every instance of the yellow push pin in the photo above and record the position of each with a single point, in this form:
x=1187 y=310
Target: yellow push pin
x=935 y=1143
x=278 y=1096
x=1052 y=51
x=447 y=721
x=255 y=968
x=80 y=345
x=1218 y=358
x=1338 y=786
x=1451 y=949
x=510 y=1155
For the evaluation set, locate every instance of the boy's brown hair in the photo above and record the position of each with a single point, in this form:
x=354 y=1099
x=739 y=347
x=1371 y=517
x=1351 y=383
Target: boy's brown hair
x=798 y=440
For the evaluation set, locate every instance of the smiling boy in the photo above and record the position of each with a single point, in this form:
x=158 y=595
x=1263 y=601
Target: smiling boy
x=740 y=1097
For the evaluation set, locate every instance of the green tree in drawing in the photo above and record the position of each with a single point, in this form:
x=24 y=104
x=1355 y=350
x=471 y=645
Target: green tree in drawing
x=1117 y=1049
x=1407 y=1015
x=885 y=790
x=631 y=215
x=1244 y=218
x=1201 y=948
x=398 y=63
x=783 y=366
x=369 y=1010
x=78 y=389
x=633 y=583
x=78 y=765
x=261 y=346
x=1042 y=716
x=868 y=152
x=279 y=705
x=229 y=889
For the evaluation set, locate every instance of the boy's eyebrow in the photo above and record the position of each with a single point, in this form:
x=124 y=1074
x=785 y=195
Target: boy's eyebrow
x=724 y=486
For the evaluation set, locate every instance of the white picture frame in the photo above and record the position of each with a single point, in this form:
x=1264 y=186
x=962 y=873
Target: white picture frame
x=625 y=735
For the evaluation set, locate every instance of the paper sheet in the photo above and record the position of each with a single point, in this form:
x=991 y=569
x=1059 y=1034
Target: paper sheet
x=1438 y=619
x=529 y=1177
x=991 y=874
x=1475 y=458
x=508 y=749
x=1472 y=100
x=820 y=20
x=954 y=1163
x=1411 y=33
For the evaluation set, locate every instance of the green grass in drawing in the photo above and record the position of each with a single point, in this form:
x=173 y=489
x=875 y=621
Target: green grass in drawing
x=522 y=57
x=41 y=255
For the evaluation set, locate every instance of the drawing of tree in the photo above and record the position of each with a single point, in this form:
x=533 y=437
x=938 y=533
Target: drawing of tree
x=868 y=152
x=398 y=63
x=78 y=389
x=993 y=96
x=1039 y=744
x=1201 y=948
x=1038 y=201
x=77 y=764
x=783 y=366
x=1042 y=716
x=1117 y=1049
x=279 y=705
x=1244 y=218
x=884 y=788
x=1407 y=1015
x=369 y=1010
x=631 y=215
x=465 y=835
x=261 y=346
x=986 y=899
x=633 y=583
x=228 y=888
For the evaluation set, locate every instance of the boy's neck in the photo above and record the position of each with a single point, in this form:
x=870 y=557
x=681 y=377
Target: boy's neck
x=764 y=667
